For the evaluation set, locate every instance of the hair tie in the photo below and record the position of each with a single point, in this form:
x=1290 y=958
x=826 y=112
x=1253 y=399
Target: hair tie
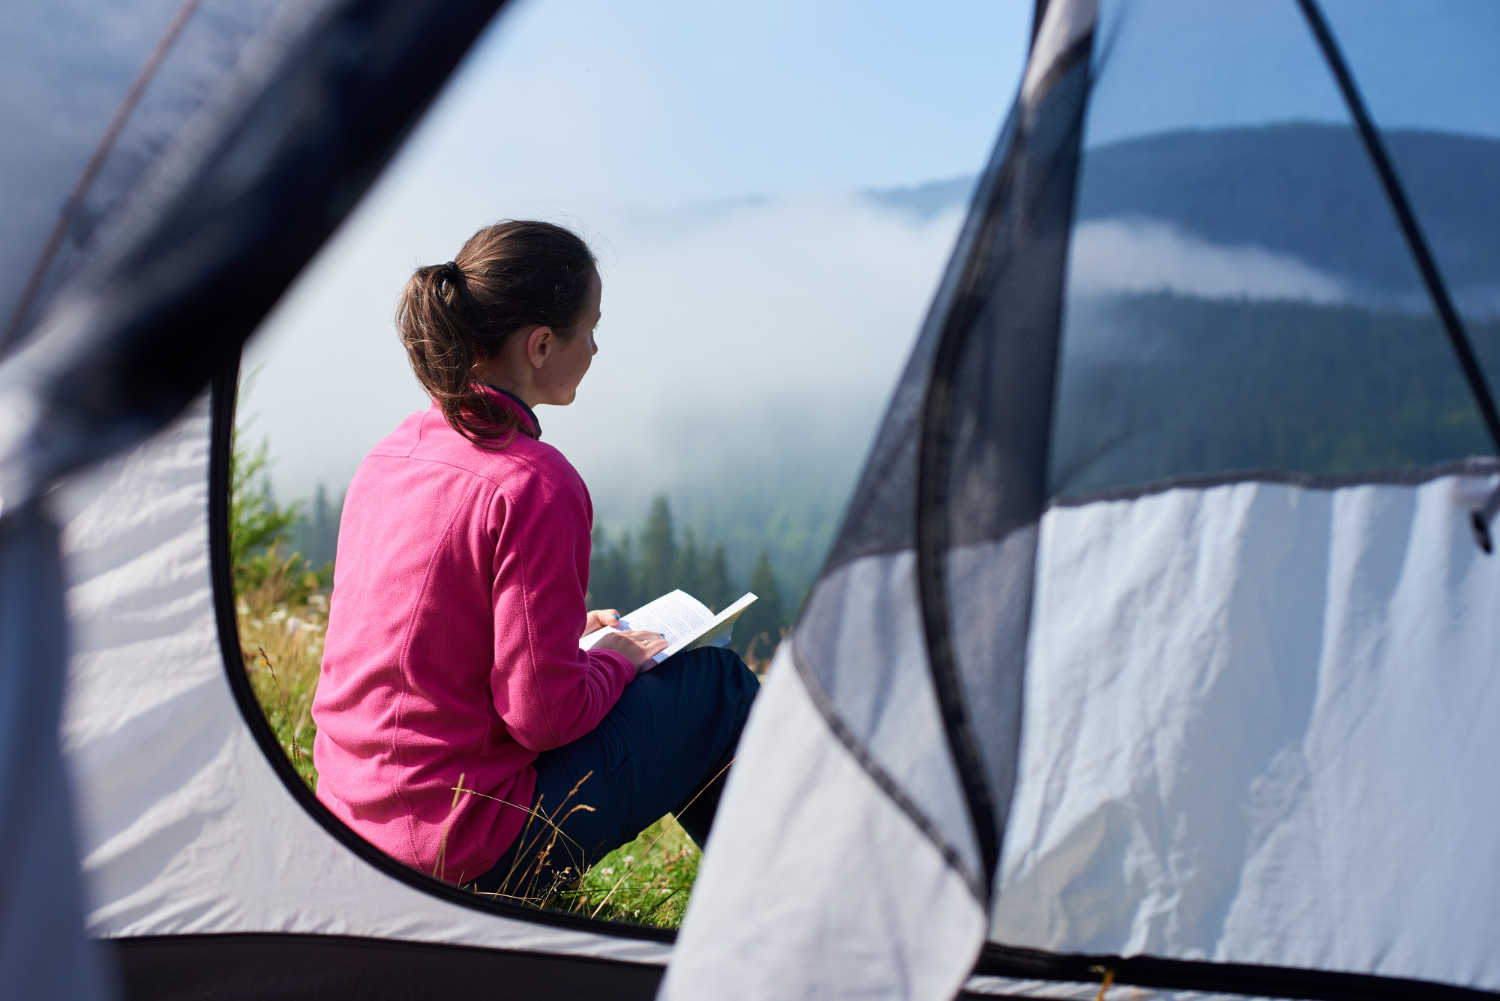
x=450 y=271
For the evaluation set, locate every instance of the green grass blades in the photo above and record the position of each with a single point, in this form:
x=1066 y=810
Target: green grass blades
x=645 y=882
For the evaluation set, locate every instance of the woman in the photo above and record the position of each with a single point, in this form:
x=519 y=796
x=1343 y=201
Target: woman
x=455 y=710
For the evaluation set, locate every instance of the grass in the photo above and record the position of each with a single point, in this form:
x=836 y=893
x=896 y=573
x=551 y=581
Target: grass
x=282 y=644
x=647 y=881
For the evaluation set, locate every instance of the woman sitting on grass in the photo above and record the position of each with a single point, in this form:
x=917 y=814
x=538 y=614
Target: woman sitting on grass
x=455 y=710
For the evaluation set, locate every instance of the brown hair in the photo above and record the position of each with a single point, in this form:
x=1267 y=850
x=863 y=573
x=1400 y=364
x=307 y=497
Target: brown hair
x=455 y=316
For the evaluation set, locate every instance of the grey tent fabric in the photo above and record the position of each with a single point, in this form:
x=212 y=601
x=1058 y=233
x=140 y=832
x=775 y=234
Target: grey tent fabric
x=187 y=827
x=251 y=149
x=43 y=953
x=69 y=69
x=63 y=74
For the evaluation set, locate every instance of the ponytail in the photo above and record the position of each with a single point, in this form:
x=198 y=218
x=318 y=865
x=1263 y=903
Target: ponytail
x=455 y=316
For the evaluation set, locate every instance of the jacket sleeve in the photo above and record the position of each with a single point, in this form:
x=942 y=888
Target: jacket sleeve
x=547 y=690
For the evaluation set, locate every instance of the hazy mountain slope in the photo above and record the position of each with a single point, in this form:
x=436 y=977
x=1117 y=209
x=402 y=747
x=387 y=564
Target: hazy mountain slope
x=1173 y=386
x=1309 y=191
x=1299 y=189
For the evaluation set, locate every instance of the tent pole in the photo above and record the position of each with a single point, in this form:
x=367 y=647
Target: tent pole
x=1437 y=289
x=74 y=204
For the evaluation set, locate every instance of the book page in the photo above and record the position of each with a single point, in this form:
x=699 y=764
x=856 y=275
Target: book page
x=685 y=621
x=719 y=631
x=677 y=615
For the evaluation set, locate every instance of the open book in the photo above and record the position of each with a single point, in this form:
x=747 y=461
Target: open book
x=685 y=621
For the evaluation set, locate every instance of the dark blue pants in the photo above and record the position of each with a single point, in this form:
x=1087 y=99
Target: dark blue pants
x=664 y=748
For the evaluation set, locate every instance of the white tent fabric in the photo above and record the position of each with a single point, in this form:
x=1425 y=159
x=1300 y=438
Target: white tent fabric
x=185 y=828
x=1257 y=713
x=814 y=883
x=1324 y=649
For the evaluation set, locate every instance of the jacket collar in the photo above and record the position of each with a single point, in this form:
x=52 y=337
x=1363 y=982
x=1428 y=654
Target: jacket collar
x=517 y=404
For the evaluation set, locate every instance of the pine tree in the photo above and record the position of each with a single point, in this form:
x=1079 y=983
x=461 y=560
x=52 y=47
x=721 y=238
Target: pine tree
x=658 y=551
x=688 y=574
x=611 y=573
x=315 y=534
x=759 y=628
x=623 y=575
x=598 y=569
x=718 y=590
x=325 y=527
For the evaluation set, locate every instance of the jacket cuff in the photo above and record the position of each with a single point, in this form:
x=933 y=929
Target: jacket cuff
x=617 y=663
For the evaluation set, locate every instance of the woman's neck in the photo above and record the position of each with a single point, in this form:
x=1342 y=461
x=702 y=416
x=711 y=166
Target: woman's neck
x=495 y=372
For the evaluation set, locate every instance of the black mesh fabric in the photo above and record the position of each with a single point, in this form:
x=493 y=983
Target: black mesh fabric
x=983 y=468
x=949 y=498
x=1240 y=295
x=882 y=512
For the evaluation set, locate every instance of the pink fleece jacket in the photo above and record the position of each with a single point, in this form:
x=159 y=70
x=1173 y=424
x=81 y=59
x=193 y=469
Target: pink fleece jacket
x=452 y=648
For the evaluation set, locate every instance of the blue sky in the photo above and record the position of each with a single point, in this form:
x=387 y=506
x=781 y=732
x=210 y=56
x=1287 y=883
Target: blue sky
x=662 y=102
x=1174 y=64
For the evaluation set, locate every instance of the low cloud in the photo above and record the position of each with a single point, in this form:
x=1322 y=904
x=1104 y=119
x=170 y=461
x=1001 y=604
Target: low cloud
x=742 y=342
x=1140 y=255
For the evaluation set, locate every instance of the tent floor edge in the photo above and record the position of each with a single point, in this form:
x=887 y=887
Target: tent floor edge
x=1208 y=977
x=272 y=966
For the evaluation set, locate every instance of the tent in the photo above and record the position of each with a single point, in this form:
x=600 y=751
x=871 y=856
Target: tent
x=1158 y=644
x=1155 y=649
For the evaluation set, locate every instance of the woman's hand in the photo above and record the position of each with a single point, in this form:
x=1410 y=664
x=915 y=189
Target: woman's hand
x=638 y=645
x=594 y=621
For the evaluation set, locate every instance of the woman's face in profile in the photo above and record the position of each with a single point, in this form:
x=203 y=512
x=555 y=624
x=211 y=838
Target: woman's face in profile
x=558 y=380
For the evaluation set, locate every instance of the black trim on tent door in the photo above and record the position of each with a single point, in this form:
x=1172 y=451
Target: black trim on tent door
x=1211 y=977
x=1475 y=465
x=285 y=967
x=1037 y=178
x=220 y=448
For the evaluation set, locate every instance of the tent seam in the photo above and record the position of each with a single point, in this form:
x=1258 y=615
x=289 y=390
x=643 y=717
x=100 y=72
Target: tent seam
x=1472 y=466
x=881 y=778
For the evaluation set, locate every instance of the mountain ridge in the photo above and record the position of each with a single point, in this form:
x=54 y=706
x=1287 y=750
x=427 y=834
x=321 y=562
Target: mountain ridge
x=1301 y=189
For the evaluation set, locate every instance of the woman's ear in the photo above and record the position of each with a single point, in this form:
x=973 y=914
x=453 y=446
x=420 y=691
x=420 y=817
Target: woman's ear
x=539 y=345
